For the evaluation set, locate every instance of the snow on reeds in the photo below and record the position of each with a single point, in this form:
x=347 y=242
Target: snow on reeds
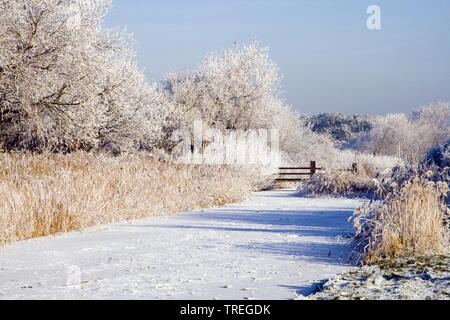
x=51 y=193
x=411 y=220
x=338 y=183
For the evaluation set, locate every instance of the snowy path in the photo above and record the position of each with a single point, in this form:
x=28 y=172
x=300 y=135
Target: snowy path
x=268 y=247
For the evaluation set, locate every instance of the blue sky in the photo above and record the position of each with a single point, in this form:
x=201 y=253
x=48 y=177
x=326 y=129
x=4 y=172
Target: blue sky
x=329 y=60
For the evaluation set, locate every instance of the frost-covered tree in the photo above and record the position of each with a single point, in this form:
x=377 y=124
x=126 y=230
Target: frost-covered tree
x=390 y=134
x=65 y=83
x=239 y=89
x=160 y=119
x=432 y=124
x=439 y=156
x=410 y=137
x=232 y=90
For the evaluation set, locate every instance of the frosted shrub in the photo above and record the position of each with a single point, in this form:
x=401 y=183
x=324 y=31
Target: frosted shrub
x=439 y=156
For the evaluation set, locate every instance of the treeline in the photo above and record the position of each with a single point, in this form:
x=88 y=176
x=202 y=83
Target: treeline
x=339 y=126
x=407 y=136
x=67 y=84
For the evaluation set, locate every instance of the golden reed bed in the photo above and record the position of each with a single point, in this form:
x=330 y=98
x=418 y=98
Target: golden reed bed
x=50 y=193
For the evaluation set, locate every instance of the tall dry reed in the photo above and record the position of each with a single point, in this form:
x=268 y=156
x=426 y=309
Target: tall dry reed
x=337 y=183
x=411 y=220
x=51 y=193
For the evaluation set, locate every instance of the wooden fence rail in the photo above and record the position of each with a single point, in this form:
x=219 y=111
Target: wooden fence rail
x=312 y=169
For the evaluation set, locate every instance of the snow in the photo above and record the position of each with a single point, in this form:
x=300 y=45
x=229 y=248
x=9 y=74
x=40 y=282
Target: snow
x=269 y=247
x=413 y=278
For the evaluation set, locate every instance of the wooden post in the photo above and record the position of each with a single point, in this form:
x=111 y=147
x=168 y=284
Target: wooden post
x=355 y=168
x=312 y=168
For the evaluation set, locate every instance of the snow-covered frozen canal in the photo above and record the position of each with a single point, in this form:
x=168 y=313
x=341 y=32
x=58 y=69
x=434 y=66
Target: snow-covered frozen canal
x=269 y=247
